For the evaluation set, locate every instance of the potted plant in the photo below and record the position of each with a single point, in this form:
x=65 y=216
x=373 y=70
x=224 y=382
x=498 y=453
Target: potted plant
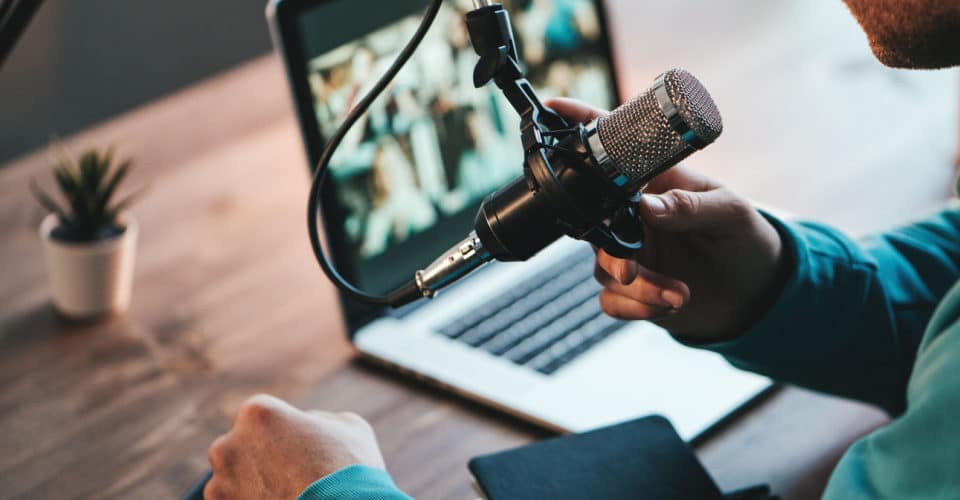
x=90 y=241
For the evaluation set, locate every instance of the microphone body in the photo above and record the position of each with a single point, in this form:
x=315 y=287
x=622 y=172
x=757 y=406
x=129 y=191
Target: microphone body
x=538 y=208
x=587 y=184
x=597 y=169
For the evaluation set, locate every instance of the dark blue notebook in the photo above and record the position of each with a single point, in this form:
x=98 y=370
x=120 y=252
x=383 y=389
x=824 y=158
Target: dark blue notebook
x=642 y=458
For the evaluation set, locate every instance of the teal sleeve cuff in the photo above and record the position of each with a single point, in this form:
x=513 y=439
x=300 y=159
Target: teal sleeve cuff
x=825 y=290
x=356 y=482
x=832 y=328
x=774 y=324
x=828 y=330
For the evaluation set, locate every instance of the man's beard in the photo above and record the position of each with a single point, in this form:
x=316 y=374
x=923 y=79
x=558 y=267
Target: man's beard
x=917 y=34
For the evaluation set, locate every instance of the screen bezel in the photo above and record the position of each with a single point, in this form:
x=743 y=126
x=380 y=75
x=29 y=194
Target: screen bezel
x=285 y=16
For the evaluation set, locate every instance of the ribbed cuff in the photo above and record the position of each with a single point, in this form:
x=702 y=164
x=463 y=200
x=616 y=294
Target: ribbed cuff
x=356 y=482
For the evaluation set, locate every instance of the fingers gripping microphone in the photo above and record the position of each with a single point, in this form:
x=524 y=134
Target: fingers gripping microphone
x=586 y=184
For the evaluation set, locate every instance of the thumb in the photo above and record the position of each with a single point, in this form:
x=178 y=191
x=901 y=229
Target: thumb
x=679 y=210
x=574 y=110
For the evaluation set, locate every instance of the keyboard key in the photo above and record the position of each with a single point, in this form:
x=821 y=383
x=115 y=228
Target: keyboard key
x=477 y=316
x=520 y=310
x=575 y=344
x=543 y=339
x=538 y=319
x=507 y=309
x=543 y=323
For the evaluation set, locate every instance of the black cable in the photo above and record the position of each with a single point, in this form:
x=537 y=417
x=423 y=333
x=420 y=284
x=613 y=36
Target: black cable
x=409 y=291
x=15 y=15
x=5 y=6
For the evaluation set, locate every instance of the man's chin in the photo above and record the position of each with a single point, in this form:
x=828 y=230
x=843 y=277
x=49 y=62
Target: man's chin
x=914 y=34
x=924 y=57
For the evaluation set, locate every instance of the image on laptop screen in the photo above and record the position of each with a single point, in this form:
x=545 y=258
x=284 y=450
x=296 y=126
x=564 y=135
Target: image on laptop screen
x=411 y=174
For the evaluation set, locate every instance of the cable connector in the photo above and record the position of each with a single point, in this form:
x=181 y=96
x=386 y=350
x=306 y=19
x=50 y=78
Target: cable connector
x=457 y=262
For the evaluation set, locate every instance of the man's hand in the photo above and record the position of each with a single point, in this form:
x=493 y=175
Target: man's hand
x=275 y=451
x=710 y=265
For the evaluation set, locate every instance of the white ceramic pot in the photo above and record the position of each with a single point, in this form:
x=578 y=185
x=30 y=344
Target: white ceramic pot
x=90 y=279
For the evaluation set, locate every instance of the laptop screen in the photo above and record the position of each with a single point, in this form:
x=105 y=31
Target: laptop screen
x=410 y=176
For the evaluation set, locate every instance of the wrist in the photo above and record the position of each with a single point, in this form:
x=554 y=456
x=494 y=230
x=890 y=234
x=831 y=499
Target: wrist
x=770 y=264
x=784 y=263
x=777 y=274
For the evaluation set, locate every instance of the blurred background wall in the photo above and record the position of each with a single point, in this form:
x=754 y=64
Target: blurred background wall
x=81 y=62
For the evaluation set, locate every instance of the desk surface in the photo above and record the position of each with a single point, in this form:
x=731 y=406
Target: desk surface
x=228 y=302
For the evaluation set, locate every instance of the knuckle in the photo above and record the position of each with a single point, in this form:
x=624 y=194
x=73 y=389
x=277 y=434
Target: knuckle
x=606 y=263
x=259 y=410
x=644 y=291
x=220 y=455
x=351 y=417
x=319 y=415
x=738 y=206
x=357 y=421
x=600 y=275
x=685 y=202
x=214 y=490
x=609 y=306
x=620 y=269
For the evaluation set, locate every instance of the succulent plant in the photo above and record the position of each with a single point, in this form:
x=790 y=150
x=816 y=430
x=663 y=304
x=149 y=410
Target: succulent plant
x=88 y=185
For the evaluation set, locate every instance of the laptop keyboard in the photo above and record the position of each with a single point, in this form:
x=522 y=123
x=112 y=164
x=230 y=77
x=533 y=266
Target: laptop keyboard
x=543 y=323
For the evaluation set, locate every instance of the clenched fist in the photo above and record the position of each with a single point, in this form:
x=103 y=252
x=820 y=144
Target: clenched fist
x=274 y=451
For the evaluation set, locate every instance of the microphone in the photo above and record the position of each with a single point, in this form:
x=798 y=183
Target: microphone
x=587 y=184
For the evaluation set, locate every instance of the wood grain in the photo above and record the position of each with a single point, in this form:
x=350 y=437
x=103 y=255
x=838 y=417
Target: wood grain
x=228 y=302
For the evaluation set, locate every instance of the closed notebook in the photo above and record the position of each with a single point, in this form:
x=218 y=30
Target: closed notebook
x=642 y=458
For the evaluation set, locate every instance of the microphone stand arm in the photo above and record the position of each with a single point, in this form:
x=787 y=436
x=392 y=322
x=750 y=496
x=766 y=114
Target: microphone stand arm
x=491 y=34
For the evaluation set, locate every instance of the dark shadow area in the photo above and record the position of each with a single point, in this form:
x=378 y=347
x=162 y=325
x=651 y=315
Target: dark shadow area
x=35 y=324
x=724 y=423
x=80 y=63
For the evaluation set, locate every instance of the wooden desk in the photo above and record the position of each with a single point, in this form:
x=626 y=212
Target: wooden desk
x=228 y=301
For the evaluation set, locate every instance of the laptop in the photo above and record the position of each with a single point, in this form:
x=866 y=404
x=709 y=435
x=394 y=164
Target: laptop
x=526 y=338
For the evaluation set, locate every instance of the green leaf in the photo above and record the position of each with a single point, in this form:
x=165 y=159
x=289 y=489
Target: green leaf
x=48 y=202
x=63 y=179
x=90 y=179
x=88 y=184
x=106 y=161
x=103 y=199
x=70 y=186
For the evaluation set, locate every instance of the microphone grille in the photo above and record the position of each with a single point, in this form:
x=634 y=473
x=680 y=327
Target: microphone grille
x=651 y=133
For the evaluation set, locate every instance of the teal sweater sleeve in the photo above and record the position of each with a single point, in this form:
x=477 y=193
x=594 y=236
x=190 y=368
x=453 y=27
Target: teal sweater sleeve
x=356 y=482
x=916 y=455
x=852 y=315
x=876 y=321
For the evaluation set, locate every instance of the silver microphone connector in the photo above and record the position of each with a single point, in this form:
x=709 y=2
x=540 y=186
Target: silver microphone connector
x=461 y=260
x=479 y=4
